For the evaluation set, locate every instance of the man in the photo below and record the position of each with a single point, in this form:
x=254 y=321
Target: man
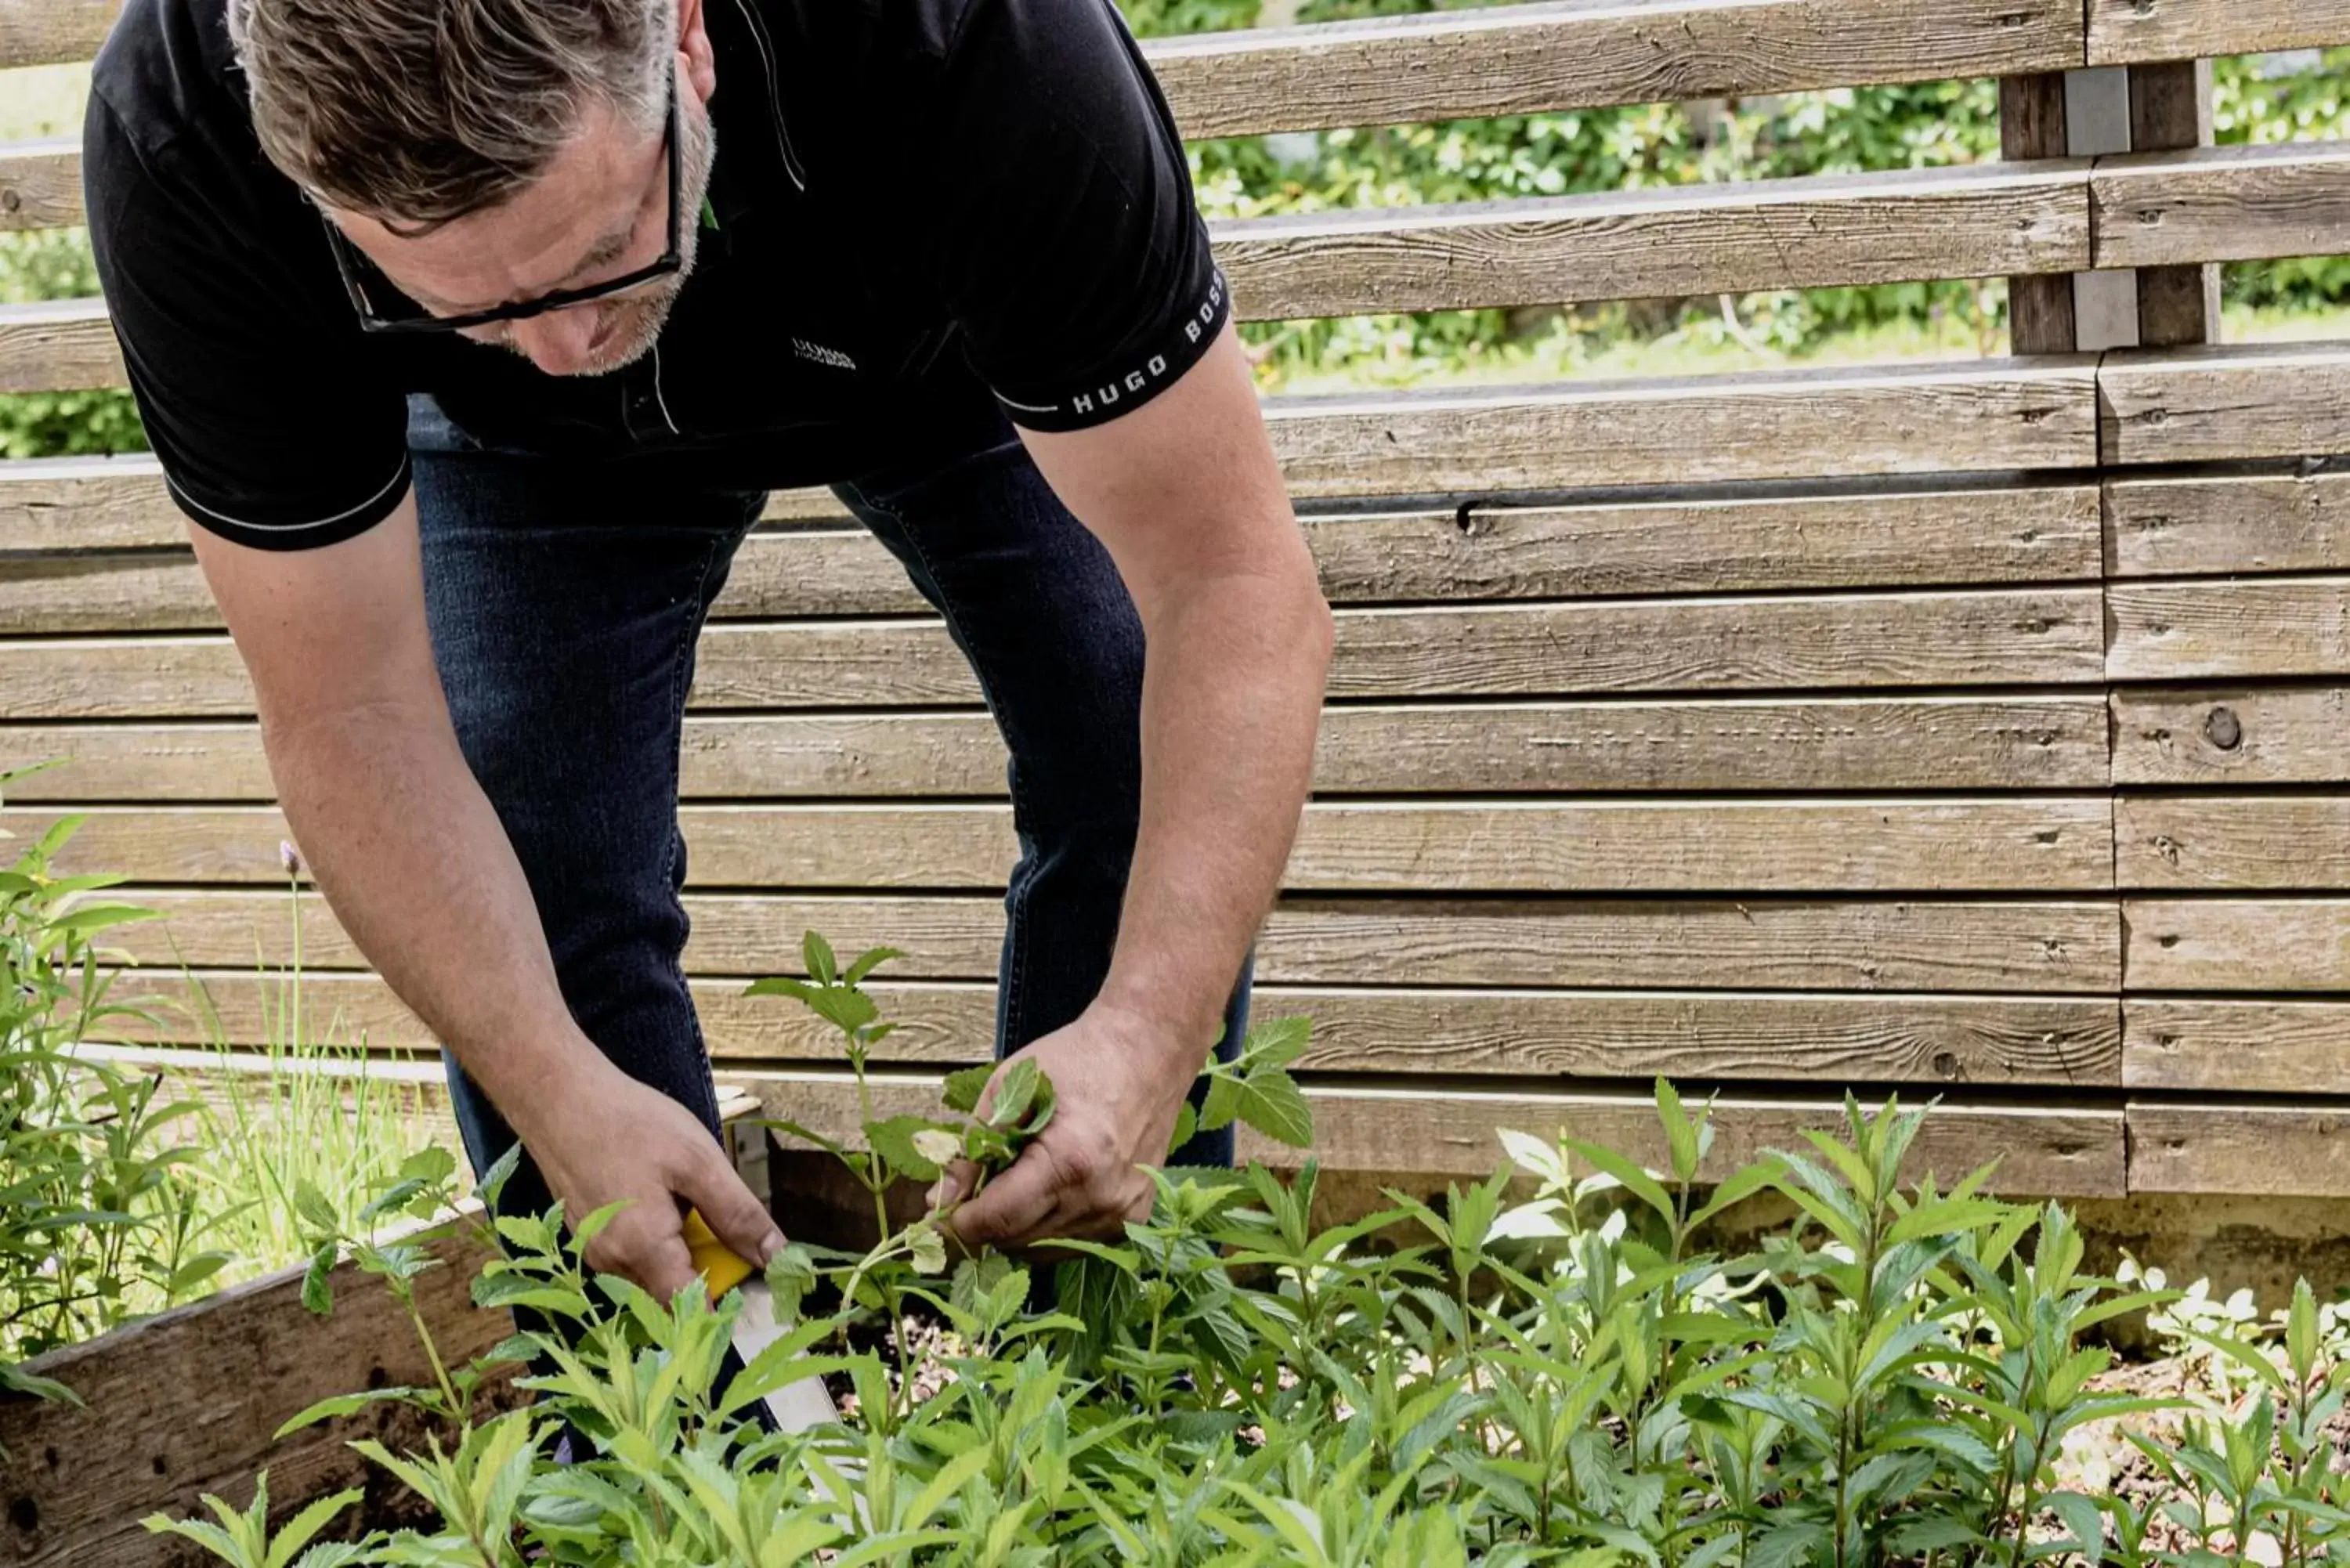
x=470 y=335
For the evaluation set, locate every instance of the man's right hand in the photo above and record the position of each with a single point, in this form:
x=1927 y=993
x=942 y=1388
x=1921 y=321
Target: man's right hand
x=610 y=1139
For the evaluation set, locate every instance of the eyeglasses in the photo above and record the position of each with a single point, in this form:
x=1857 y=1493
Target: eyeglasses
x=398 y=313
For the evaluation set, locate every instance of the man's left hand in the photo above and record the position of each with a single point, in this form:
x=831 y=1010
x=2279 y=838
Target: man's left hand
x=1118 y=1085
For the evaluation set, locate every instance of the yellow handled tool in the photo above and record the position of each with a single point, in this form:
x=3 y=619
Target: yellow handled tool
x=796 y=1406
x=713 y=1259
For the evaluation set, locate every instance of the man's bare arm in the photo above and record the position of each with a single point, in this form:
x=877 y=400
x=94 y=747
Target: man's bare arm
x=420 y=872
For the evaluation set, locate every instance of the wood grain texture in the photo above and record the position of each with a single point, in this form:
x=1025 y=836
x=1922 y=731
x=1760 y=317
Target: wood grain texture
x=2031 y=125
x=1878 y=536
x=2122 y=31
x=1438 y=1032
x=2238 y=944
x=57 y=347
x=2170 y=109
x=2215 y=736
x=2260 y=626
x=2053 y=1150
x=2237 y=1047
x=2296 y=520
x=2209 y=1146
x=50 y=32
x=1972 y=220
x=1983 y=415
x=1866 y=743
x=1521 y=60
x=2221 y=204
x=1986 y=415
x=40 y=185
x=185 y=1403
x=2241 y=400
x=1824 y=945
x=2232 y=841
x=2058 y=843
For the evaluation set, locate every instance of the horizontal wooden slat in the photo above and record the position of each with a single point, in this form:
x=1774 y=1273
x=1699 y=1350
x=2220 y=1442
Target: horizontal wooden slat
x=1871 y=534
x=2232 y=841
x=1516 y=59
x=1989 y=946
x=2240 y=1047
x=40 y=185
x=1522 y=59
x=2223 y=203
x=2239 y=944
x=2123 y=31
x=2020 y=844
x=2269 y=626
x=2159 y=527
x=2210 y=736
x=2238 y=401
x=1439 y=1032
x=1971 y=221
x=1982 y=415
x=1966 y=220
x=57 y=347
x=2048 y=1151
x=1866 y=744
x=2209 y=1145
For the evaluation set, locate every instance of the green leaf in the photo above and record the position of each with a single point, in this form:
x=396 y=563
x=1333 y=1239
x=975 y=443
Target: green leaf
x=1016 y=1093
x=1277 y=1042
x=1222 y=1106
x=961 y=1089
x=1680 y=1134
x=893 y=1140
x=343 y=1405
x=1187 y=1123
x=297 y=1532
x=311 y=1204
x=781 y=985
x=1272 y=1104
x=815 y=955
x=867 y=962
x=928 y=1247
x=317 y=1293
x=1630 y=1176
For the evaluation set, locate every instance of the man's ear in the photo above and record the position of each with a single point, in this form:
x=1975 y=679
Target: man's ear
x=693 y=45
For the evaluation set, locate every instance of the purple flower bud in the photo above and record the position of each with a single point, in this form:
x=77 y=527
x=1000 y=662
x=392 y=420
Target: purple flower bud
x=289 y=858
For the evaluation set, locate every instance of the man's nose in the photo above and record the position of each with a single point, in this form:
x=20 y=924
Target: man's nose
x=558 y=341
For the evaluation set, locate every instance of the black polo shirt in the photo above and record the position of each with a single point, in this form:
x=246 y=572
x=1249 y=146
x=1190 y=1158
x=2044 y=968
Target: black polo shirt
x=929 y=215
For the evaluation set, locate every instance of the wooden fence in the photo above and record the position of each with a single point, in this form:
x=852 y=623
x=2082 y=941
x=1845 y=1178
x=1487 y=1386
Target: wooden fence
x=1921 y=727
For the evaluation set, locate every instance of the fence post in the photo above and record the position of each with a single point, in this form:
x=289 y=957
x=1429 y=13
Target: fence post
x=2170 y=107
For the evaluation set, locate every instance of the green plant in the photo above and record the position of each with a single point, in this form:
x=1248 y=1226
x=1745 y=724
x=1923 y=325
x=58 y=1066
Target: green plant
x=96 y=1222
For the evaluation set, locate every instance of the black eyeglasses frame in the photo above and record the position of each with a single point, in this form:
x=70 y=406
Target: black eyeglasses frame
x=350 y=264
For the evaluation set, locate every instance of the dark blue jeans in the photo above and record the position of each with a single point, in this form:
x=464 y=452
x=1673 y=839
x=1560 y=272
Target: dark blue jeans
x=565 y=601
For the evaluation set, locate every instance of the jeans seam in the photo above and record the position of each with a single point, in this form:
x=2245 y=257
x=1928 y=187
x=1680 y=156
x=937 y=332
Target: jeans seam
x=1016 y=933
x=679 y=659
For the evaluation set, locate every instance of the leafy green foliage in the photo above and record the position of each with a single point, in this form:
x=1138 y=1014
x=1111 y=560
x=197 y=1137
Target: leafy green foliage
x=96 y=1222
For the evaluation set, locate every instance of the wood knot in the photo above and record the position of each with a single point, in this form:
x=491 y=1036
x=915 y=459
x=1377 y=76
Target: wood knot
x=2223 y=729
x=1945 y=1064
x=25 y=1514
x=2167 y=940
x=10 y=200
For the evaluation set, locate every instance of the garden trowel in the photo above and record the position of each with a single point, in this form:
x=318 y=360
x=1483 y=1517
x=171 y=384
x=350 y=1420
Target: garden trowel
x=796 y=1406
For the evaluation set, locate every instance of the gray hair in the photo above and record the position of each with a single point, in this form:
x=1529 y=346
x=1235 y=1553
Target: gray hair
x=420 y=111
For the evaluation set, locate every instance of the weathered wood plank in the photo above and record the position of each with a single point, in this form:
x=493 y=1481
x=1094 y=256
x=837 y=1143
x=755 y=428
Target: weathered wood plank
x=1522 y=59
x=1426 y=1030
x=2041 y=318
x=1516 y=59
x=1972 y=220
x=2221 y=204
x=40 y=185
x=1968 y=221
x=2170 y=109
x=2238 y=944
x=1983 y=415
x=1862 y=946
x=185 y=1403
x=2245 y=735
x=2248 y=841
x=2237 y=1047
x=2158 y=527
x=57 y=347
x=2040 y=1151
x=2018 y=843
x=1866 y=743
x=2209 y=1145
x=2122 y=31
x=2238 y=401
x=2267 y=626
x=2030 y=534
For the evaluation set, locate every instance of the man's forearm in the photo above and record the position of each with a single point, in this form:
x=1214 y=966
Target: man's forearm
x=1232 y=694
x=419 y=871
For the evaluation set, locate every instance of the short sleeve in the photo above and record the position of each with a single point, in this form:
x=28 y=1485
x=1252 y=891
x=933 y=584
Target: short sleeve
x=271 y=430
x=1072 y=256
